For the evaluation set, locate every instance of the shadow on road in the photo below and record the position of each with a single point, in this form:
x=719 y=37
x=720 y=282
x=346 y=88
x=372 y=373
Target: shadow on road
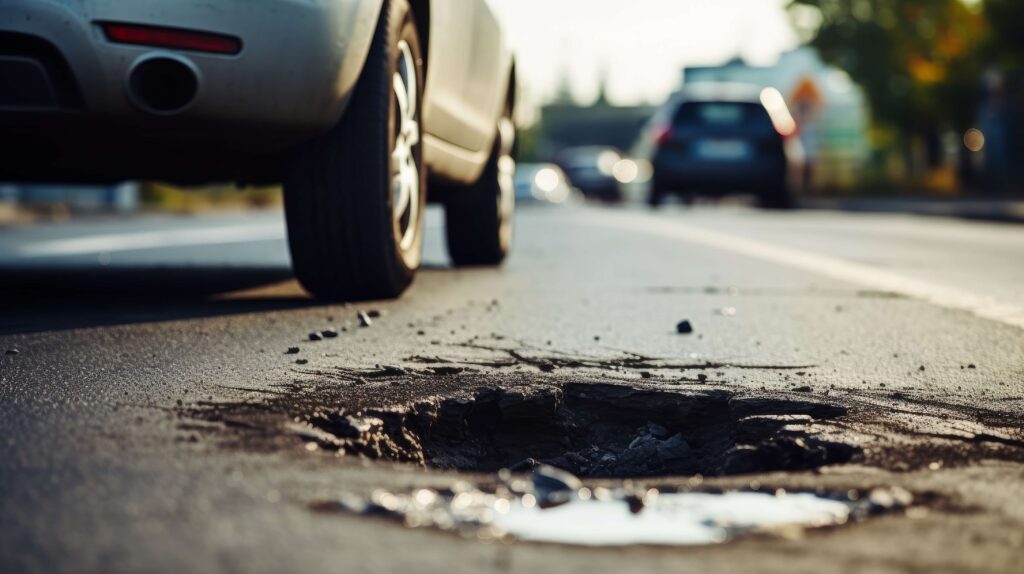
x=58 y=298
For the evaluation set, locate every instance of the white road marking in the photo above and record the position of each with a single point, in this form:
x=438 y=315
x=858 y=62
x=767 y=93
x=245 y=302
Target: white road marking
x=864 y=275
x=142 y=240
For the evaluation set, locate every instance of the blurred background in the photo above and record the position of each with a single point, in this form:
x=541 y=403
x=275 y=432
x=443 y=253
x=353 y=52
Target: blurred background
x=915 y=100
x=909 y=99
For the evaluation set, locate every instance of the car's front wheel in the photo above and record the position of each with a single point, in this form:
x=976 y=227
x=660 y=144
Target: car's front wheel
x=776 y=196
x=355 y=197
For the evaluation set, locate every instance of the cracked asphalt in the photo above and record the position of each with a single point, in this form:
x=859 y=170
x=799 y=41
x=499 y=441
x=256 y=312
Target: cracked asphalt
x=109 y=461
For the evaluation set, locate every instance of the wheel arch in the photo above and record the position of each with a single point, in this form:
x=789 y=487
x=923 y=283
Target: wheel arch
x=513 y=87
x=421 y=17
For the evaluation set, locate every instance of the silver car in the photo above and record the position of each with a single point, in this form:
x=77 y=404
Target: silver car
x=356 y=106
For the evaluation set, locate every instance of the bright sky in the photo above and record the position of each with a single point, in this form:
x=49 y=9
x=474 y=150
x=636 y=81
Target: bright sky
x=641 y=45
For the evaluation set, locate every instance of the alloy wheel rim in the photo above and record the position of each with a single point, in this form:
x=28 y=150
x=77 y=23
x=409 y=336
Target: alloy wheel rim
x=506 y=199
x=405 y=171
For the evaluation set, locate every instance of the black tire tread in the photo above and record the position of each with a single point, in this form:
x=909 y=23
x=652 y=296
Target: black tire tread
x=472 y=222
x=340 y=231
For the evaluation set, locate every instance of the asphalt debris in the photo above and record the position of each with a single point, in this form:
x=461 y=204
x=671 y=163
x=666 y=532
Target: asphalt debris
x=684 y=327
x=293 y=351
x=364 y=319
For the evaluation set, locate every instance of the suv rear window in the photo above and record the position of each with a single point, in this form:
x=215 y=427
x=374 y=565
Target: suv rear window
x=722 y=115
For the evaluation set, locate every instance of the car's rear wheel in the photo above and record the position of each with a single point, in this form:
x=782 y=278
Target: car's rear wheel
x=478 y=219
x=656 y=195
x=355 y=197
x=776 y=196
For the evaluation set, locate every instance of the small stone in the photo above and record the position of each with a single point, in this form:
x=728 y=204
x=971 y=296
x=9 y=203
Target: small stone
x=645 y=375
x=553 y=486
x=329 y=333
x=374 y=314
x=421 y=333
x=12 y=352
x=702 y=377
x=972 y=366
x=684 y=328
x=525 y=464
x=293 y=351
x=315 y=337
x=302 y=362
x=804 y=389
x=674 y=448
x=392 y=370
x=921 y=368
x=657 y=430
x=364 y=319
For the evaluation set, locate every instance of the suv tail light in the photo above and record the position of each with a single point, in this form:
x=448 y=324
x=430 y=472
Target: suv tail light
x=662 y=134
x=174 y=38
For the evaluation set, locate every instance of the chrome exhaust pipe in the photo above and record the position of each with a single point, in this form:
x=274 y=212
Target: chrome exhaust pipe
x=163 y=84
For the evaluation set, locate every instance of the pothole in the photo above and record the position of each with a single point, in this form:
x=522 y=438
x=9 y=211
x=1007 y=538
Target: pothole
x=591 y=430
x=509 y=425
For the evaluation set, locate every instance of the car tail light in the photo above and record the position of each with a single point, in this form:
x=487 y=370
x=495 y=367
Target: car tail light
x=662 y=134
x=172 y=38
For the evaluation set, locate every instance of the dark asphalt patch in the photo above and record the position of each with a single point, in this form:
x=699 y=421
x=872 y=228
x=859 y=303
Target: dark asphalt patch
x=594 y=430
x=455 y=418
x=465 y=421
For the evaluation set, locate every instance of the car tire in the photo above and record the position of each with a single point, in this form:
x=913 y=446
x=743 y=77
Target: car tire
x=776 y=196
x=355 y=197
x=657 y=194
x=479 y=218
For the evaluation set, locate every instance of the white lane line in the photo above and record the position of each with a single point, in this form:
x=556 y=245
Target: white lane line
x=112 y=242
x=869 y=277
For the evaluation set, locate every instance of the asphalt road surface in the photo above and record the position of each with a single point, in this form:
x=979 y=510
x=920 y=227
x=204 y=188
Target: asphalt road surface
x=152 y=417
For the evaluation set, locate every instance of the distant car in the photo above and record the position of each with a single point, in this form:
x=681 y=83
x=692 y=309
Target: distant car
x=718 y=139
x=591 y=169
x=354 y=105
x=542 y=182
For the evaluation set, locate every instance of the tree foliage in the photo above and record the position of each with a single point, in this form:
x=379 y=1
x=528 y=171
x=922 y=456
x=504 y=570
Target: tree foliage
x=919 y=61
x=1005 y=44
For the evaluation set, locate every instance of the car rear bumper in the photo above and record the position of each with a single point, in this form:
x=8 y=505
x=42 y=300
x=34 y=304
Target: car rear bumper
x=299 y=62
x=720 y=176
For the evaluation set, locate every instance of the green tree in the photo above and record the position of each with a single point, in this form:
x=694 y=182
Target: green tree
x=917 y=60
x=1005 y=45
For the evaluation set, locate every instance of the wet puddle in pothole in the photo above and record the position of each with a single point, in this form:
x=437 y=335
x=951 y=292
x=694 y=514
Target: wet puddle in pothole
x=553 y=506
